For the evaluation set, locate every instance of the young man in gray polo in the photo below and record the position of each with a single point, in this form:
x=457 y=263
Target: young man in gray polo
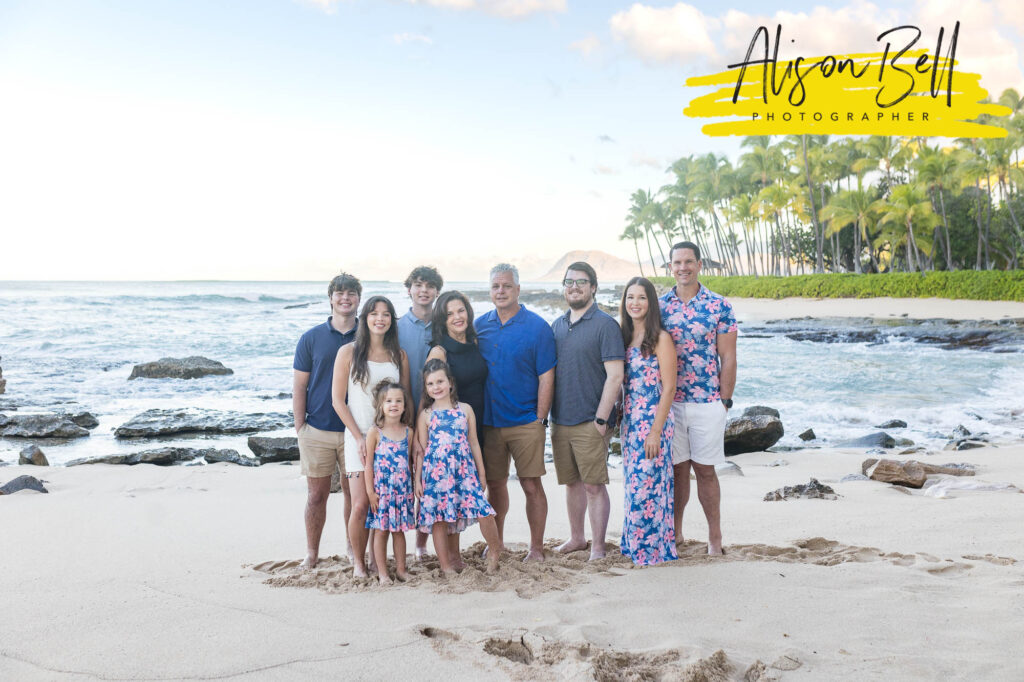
x=321 y=432
x=588 y=378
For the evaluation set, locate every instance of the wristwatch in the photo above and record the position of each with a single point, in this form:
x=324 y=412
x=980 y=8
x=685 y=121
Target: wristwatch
x=544 y=421
x=727 y=402
x=601 y=422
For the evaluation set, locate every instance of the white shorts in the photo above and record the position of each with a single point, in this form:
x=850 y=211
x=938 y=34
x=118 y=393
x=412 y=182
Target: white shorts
x=700 y=432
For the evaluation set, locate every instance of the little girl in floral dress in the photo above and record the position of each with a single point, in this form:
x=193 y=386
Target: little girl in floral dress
x=448 y=480
x=388 y=478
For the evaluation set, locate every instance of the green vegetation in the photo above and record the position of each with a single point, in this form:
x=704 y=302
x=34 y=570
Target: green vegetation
x=804 y=203
x=967 y=284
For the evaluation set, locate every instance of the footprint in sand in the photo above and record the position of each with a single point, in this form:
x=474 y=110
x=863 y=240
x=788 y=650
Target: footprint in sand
x=992 y=559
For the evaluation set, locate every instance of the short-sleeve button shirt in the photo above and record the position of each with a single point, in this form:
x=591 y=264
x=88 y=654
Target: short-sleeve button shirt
x=517 y=353
x=315 y=353
x=695 y=326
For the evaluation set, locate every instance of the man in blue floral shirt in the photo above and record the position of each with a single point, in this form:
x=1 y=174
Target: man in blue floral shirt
x=703 y=326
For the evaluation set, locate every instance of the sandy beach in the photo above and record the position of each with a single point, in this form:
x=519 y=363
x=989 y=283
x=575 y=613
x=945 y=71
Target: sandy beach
x=189 y=573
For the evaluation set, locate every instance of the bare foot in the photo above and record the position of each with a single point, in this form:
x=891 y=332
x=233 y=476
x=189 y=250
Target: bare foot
x=492 y=563
x=458 y=566
x=384 y=579
x=596 y=554
x=534 y=555
x=487 y=551
x=372 y=566
x=351 y=554
x=402 y=577
x=571 y=545
x=309 y=562
x=715 y=550
x=421 y=554
x=359 y=572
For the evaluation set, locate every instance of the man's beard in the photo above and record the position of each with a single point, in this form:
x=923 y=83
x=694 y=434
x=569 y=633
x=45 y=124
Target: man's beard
x=581 y=304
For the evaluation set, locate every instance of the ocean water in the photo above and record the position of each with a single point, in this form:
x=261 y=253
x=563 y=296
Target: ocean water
x=72 y=346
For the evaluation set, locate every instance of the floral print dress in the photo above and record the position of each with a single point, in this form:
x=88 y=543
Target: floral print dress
x=648 y=533
x=392 y=481
x=451 y=487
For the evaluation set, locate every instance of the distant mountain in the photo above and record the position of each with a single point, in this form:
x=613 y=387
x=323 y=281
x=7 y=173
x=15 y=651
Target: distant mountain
x=609 y=268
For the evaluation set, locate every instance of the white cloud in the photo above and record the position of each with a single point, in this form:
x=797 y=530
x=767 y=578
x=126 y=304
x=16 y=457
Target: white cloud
x=403 y=38
x=667 y=34
x=511 y=9
x=600 y=169
x=638 y=159
x=586 y=46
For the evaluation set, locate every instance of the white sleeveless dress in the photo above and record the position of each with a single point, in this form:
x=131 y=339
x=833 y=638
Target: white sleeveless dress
x=360 y=404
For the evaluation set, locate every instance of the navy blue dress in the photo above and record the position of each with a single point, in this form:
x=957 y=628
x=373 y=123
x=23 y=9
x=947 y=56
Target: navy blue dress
x=470 y=371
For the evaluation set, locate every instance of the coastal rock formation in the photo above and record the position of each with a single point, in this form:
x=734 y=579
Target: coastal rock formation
x=909 y=474
x=807 y=435
x=23 y=483
x=760 y=410
x=814 y=490
x=157 y=422
x=85 y=419
x=879 y=439
x=269 y=450
x=230 y=457
x=966 y=444
x=752 y=434
x=959 y=433
x=40 y=426
x=3 y=382
x=893 y=424
x=33 y=455
x=161 y=457
x=192 y=367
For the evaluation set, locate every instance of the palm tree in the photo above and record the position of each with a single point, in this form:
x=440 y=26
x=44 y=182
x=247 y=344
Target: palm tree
x=851 y=207
x=908 y=205
x=936 y=168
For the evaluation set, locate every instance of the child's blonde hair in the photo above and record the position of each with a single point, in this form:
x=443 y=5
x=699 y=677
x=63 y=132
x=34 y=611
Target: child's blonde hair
x=380 y=392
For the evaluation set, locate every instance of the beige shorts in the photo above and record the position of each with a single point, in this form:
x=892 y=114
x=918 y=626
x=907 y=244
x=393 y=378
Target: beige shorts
x=524 y=444
x=700 y=432
x=581 y=454
x=321 y=452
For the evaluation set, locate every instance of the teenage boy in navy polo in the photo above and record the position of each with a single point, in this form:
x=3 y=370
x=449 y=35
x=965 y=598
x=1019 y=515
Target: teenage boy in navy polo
x=321 y=432
x=519 y=348
x=703 y=327
x=588 y=380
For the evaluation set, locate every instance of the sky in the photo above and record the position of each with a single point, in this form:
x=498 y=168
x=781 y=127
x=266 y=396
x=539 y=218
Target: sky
x=288 y=139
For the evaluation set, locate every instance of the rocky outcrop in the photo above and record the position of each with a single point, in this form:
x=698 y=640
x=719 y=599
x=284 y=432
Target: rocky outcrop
x=814 y=490
x=752 y=433
x=909 y=474
x=160 y=457
x=157 y=422
x=875 y=440
x=893 y=424
x=23 y=483
x=760 y=410
x=807 y=435
x=192 y=367
x=269 y=450
x=3 y=382
x=40 y=426
x=33 y=455
x=230 y=457
x=85 y=419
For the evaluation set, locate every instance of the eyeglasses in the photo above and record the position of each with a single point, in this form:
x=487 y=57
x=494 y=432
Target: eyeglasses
x=578 y=282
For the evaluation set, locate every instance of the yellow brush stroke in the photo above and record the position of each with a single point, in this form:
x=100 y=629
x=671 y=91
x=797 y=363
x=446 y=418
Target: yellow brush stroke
x=844 y=95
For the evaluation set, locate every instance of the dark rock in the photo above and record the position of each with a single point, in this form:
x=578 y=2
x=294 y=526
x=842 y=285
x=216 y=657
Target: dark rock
x=811 y=491
x=893 y=424
x=4 y=464
x=41 y=426
x=904 y=442
x=970 y=445
x=959 y=433
x=807 y=435
x=879 y=439
x=192 y=367
x=229 y=456
x=159 y=422
x=274 y=449
x=752 y=434
x=159 y=456
x=909 y=474
x=279 y=396
x=298 y=305
x=760 y=410
x=23 y=483
x=33 y=455
x=913 y=450
x=85 y=420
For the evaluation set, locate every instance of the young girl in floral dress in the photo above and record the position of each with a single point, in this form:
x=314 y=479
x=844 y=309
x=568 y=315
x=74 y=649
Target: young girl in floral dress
x=448 y=480
x=388 y=477
x=648 y=528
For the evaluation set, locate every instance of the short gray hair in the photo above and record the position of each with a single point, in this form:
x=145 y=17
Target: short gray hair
x=506 y=267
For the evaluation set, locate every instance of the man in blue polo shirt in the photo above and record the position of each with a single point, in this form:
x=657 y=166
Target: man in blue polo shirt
x=321 y=432
x=519 y=349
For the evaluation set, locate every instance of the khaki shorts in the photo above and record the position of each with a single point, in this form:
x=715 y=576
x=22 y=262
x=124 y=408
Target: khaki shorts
x=581 y=454
x=321 y=452
x=524 y=444
x=699 y=432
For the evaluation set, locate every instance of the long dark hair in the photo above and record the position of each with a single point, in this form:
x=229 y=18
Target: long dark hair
x=437 y=365
x=652 y=323
x=439 y=319
x=361 y=349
